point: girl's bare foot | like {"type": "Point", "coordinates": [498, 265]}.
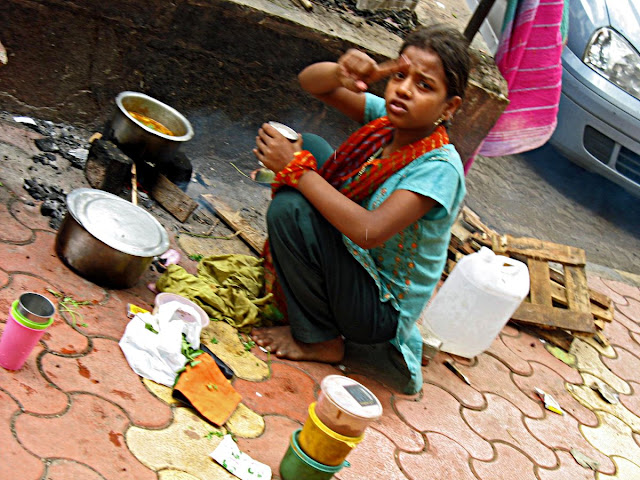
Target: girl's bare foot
{"type": "Point", "coordinates": [279, 341]}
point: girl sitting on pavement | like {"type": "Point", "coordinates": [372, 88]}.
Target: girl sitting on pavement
{"type": "Point", "coordinates": [359, 236]}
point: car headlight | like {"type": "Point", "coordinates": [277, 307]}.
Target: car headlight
{"type": "Point", "coordinates": [609, 54]}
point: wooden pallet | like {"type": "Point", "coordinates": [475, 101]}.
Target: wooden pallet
{"type": "Point", "coordinates": [560, 305]}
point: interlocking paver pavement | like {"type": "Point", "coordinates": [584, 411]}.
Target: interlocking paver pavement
{"type": "Point", "coordinates": [76, 409]}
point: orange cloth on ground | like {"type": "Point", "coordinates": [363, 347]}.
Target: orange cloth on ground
{"type": "Point", "coordinates": [208, 390]}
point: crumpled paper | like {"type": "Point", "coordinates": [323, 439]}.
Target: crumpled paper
{"type": "Point", "coordinates": [158, 356]}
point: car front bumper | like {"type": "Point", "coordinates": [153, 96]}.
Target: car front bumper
{"type": "Point", "coordinates": [598, 125]}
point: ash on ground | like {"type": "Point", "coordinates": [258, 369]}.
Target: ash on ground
{"type": "Point", "coordinates": [63, 147]}
{"type": "Point", "coordinates": [53, 199]}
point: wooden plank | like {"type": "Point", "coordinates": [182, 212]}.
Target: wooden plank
{"type": "Point", "coordinates": [600, 299]}
{"type": "Point", "coordinates": [254, 238]}
{"type": "Point", "coordinates": [549, 317]}
{"type": "Point", "coordinates": [459, 232]}
{"type": "Point", "coordinates": [540, 291]}
{"type": "Point", "coordinates": [575, 283]}
{"type": "Point", "coordinates": [473, 220]}
{"type": "Point", "coordinates": [559, 338]}
{"type": "Point", "coordinates": [540, 250]}
{"type": "Point", "coordinates": [597, 298]}
{"type": "Point", "coordinates": [171, 198]}
{"type": "Point", "coordinates": [559, 296]}
{"type": "Point", "coordinates": [600, 313]}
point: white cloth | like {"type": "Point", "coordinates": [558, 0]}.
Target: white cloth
{"type": "Point", "coordinates": [158, 356]}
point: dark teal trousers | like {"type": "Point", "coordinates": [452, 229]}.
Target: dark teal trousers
{"type": "Point", "coordinates": [328, 293]}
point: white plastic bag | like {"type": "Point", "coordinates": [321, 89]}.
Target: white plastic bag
{"type": "Point", "coordinates": [158, 356]}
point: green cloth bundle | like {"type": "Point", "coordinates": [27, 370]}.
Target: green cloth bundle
{"type": "Point", "coordinates": [228, 287]}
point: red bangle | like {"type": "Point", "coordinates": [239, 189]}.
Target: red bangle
{"type": "Point", "coordinates": [302, 162]}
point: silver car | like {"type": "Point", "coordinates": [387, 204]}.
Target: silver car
{"type": "Point", "coordinates": [599, 116]}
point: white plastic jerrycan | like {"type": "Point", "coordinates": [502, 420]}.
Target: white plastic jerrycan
{"type": "Point", "coordinates": [475, 302]}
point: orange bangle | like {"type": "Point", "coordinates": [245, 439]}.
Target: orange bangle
{"type": "Point", "coordinates": [302, 162]}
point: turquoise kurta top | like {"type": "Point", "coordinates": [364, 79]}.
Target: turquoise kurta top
{"type": "Point", "coordinates": [408, 266]}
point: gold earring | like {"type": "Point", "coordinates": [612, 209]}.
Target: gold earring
{"type": "Point", "coordinates": [439, 122]}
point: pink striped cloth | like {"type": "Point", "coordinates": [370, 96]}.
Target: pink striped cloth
{"type": "Point", "coordinates": [528, 57]}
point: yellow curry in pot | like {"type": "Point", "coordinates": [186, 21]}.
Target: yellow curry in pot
{"type": "Point", "coordinates": [151, 123]}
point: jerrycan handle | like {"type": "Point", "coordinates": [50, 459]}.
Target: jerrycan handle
{"type": "Point", "coordinates": [510, 266]}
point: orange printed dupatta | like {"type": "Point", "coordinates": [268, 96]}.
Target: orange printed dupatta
{"type": "Point", "coordinates": [356, 173]}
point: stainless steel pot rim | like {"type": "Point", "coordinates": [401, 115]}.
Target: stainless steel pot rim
{"type": "Point", "coordinates": [117, 223]}
{"type": "Point", "coordinates": [182, 138]}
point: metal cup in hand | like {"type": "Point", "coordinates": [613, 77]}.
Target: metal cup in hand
{"type": "Point", "coordinates": [288, 132]}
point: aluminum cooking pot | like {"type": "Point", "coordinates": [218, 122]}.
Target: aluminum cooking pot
{"type": "Point", "coordinates": [107, 239]}
{"type": "Point", "coordinates": [141, 141]}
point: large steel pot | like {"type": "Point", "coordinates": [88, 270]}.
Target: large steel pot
{"type": "Point", "coordinates": [107, 239]}
{"type": "Point", "coordinates": [140, 141]}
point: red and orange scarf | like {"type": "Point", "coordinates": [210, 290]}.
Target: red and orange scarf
{"type": "Point", "coordinates": [355, 160]}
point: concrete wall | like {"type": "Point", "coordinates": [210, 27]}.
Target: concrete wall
{"type": "Point", "coordinates": [69, 59]}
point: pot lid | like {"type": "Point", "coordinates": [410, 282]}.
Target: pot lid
{"type": "Point", "coordinates": [118, 223]}
{"type": "Point", "coordinates": [351, 397]}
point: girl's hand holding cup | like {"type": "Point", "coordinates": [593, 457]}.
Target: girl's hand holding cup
{"type": "Point", "coordinates": [275, 150]}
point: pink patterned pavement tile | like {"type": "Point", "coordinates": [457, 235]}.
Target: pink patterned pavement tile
{"type": "Point", "coordinates": [562, 432]}
{"type": "Point", "coordinates": [550, 382]}
{"type": "Point", "coordinates": [501, 421]}
{"type": "Point", "coordinates": [40, 257]}
{"type": "Point", "coordinates": [271, 446]}
{"type": "Point", "coordinates": [569, 469]}
{"type": "Point", "coordinates": [438, 411]}
{"type": "Point", "coordinates": [62, 338]}
{"type": "Point", "coordinates": [631, 311]}
{"type": "Point", "coordinates": [509, 464]}
{"type": "Point", "coordinates": [626, 366]}
{"type": "Point", "coordinates": [437, 374]}
{"type": "Point", "coordinates": [632, 402]}
{"type": "Point", "coordinates": [12, 230]}
{"type": "Point", "coordinates": [623, 289]}
{"type": "Point", "coordinates": [531, 349]}
{"type": "Point", "coordinates": [598, 284]}
{"type": "Point", "coordinates": [106, 319]}
{"type": "Point", "coordinates": [492, 376]}
{"type": "Point", "coordinates": [510, 331]}
{"type": "Point", "coordinates": [503, 353]}
{"type": "Point", "coordinates": [18, 284]}
{"type": "Point", "coordinates": [30, 216]}
{"type": "Point", "coordinates": [4, 278]}
{"type": "Point", "coordinates": [626, 322]}
{"type": "Point", "coordinates": [288, 392]}
{"type": "Point", "coordinates": [12, 453]}
{"type": "Point", "coordinates": [315, 370]}
{"type": "Point", "coordinates": [91, 432]}
{"type": "Point", "coordinates": [444, 459]}
{"type": "Point", "coordinates": [29, 388]}
{"type": "Point", "coordinates": [390, 425]}
{"type": "Point", "coordinates": [374, 457]}
{"type": "Point", "coordinates": [66, 470]}
{"type": "Point", "coordinates": [104, 372]}
{"type": "Point", "coordinates": [620, 336]}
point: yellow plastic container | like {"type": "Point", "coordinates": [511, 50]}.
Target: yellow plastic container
{"type": "Point", "coordinates": [323, 444]}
